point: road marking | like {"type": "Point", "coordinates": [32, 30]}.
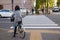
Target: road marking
{"type": "Point", "coordinates": [42, 27]}
{"type": "Point", "coordinates": [6, 22]}
{"type": "Point", "coordinates": [11, 27]}
{"type": "Point", "coordinates": [35, 27]}
{"type": "Point", "coordinates": [41, 24]}
{"type": "Point", "coordinates": [56, 13]}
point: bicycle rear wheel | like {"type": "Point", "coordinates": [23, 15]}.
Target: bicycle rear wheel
{"type": "Point", "coordinates": [22, 35]}
{"type": "Point", "coordinates": [22, 32]}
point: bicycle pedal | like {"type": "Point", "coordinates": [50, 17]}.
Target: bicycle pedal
{"type": "Point", "coordinates": [21, 31]}
{"type": "Point", "coordinates": [16, 33]}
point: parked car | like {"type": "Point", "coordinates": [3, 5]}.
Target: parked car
{"type": "Point", "coordinates": [55, 9]}
{"type": "Point", "coordinates": [6, 13]}
{"type": "Point", "coordinates": [23, 11]}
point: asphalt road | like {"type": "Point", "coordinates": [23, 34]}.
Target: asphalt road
{"type": "Point", "coordinates": [55, 17]}
{"type": "Point", "coordinates": [6, 23]}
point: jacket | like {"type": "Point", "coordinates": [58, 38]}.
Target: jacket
{"type": "Point", "coordinates": [17, 16]}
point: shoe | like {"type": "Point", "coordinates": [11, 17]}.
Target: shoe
{"type": "Point", "coordinates": [14, 36]}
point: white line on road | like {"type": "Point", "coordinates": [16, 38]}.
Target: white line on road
{"type": "Point", "coordinates": [36, 27]}
{"type": "Point", "coordinates": [56, 13]}
{"type": "Point", "coordinates": [40, 24]}
{"type": "Point", "coordinates": [6, 22]}
{"type": "Point", "coordinates": [11, 27]}
{"type": "Point", "coordinates": [41, 27]}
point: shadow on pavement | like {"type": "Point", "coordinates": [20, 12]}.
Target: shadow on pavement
{"type": "Point", "coordinates": [4, 35]}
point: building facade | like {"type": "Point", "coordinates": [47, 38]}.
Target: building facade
{"type": "Point", "coordinates": [7, 4]}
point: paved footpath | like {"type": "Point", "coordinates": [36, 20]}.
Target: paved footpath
{"type": "Point", "coordinates": [31, 35]}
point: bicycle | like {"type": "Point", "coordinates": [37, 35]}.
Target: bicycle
{"type": "Point", "coordinates": [20, 30]}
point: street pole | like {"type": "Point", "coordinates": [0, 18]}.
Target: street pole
{"type": "Point", "coordinates": [12, 5]}
{"type": "Point", "coordinates": [47, 6]}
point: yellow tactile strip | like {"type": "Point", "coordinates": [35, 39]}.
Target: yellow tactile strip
{"type": "Point", "coordinates": [36, 34]}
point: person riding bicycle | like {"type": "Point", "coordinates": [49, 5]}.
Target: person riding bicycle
{"type": "Point", "coordinates": [17, 19]}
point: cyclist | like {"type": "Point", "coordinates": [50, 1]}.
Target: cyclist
{"type": "Point", "coordinates": [17, 19]}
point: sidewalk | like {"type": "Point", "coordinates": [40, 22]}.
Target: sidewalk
{"type": "Point", "coordinates": [8, 35]}
{"type": "Point", "coordinates": [31, 35]}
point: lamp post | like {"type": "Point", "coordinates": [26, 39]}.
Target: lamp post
{"type": "Point", "coordinates": [34, 5]}
{"type": "Point", "coordinates": [47, 6]}
{"type": "Point", "coordinates": [23, 3]}
{"type": "Point", "coordinates": [12, 4]}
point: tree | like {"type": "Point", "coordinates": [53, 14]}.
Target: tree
{"type": "Point", "coordinates": [38, 3]}
{"type": "Point", "coordinates": [12, 4]}
{"type": "Point", "coordinates": [51, 3]}
{"type": "Point", "coordinates": [58, 2]}
{"type": "Point", "coordinates": [1, 7]}
{"type": "Point", "coordinates": [37, 6]}
{"type": "Point", "coordinates": [42, 3]}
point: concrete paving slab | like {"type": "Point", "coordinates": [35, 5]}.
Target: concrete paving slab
{"type": "Point", "coordinates": [50, 36]}
{"type": "Point", "coordinates": [9, 36]}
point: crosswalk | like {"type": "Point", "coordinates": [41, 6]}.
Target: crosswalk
{"type": "Point", "coordinates": [40, 20]}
